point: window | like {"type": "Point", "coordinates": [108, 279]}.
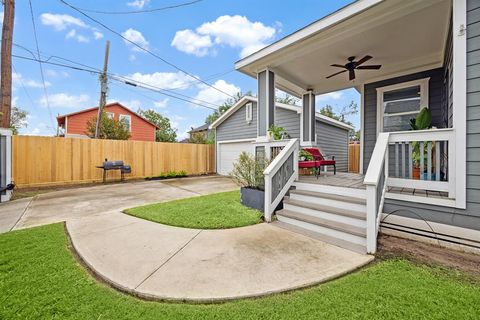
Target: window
{"type": "Point", "coordinates": [399, 103]}
{"type": "Point", "coordinates": [127, 120]}
{"type": "Point", "coordinates": [110, 115]}
{"type": "Point", "coordinates": [249, 113]}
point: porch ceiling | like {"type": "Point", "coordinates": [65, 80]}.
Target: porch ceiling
{"type": "Point", "coordinates": [402, 36]}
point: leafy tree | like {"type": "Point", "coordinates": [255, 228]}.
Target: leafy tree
{"type": "Point", "coordinates": [18, 119]}
{"type": "Point", "coordinates": [350, 109]}
{"type": "Point", "coordinates": [109, 128]}
{"type": "Point", "coordinates": [166, 133]}
{"type": "Point", "coordinates": [225, 106]}
{"type": "Point", "coordinates": [287, 99]}
{"type": "Point", "coordinates": [197, 137]}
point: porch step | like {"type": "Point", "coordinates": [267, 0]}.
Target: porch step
{"type": "Point", "coordinates": [327, 223]}
{"type": "Point", "coordinates": [331, 200]}
{"type": "Point", "coordinates": [290, 225]}
{"type": "Point", "coordinates": [336, 215]}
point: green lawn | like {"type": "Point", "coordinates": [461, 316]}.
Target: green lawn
{"type": "Point", "coordinates": [40, 279]}
{"type": "Point", "coordinates": [214, 211]}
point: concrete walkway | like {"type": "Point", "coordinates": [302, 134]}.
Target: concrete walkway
{"type": "Point", "coordinates": [155, 261]}
{"type": "Point", "coordinates": [84, 202]}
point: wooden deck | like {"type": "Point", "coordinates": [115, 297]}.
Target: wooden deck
{"type": "Point", "coordinates": [341, 179]}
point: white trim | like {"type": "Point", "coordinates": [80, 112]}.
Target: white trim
{"type": "Point", "coordinates": [333, 122]}
{"type": "Point", "coordinates": [459, 100]}
{"type": "Point", "coordinates": [7, 133]}
{"type": "Point", "coordinates": [230, 111]}
{"type": "Point", "coordinates": [418, 184]}
{"type": "Point", "coordinates": [249, 112]}
{"type": "Point", "coordinates": [362, 125]}
{"type": "Point", "coordinates": [444, 202]}
{"type": "Point", "coordinates": [424, 98]}
{"type": "Point", "coordinates": [324, 23]}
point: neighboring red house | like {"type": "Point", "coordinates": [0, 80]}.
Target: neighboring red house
{"type": "Point", "coordinates": [75, 124]}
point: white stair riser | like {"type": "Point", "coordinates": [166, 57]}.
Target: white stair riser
{"type": "Point", "coordinates": [329, 202]}
{"type": "Point", "coordinates": [326, 215]}
{"type": "Point", "coordinates": [349, 192]}
{"type": "Point", "coordinates": [326, 231]}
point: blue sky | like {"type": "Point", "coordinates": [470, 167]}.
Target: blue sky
{"type": "Point", "coordinates": [205, 38]}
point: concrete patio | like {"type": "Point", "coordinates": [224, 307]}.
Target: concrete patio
{"type": "Point", "coordinates": [156, 261]}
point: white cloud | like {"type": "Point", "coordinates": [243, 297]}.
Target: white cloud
{"type": "Point", "coordinates": [139, 4]}
{"type": "Point", "coordinates": [19, 80]}
{"type": "Point", "coordinates": [136, 37]}
{"type": "Point", "coordinates": [233, 31]}
{"type": "Point", "coordinates": [162, 104]}
{"type": "Point", "coordinates": [164, 80]}
{"type": "Point", "coordinates": [61, 22]}
{"type": "Point", "coordinates": [211, 95]}
{"type": "Point", "coordinates": [1, 17]}
{"type": "Point", "coordinates": [65, 100]}
{"type": "Point", "coordinates": [330, 96]}
{"type": "Point", "coordinates": [97, 35]}
{"type": "Point", "coordinates": [56, 74]}
{"type": "Point", "coordinates": [192, 43]}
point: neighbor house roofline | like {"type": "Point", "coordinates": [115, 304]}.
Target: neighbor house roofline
{"type": "Point", "coordinates": [107, 105]}
{"type": "Point", "coordinates": [290, 107]}
{"type": "Point", "coordinates": [309, 30]}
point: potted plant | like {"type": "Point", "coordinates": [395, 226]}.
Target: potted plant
{"type": "Point", "coordinates": [248, 172]}
{"type": "Point", "coordinates": [423, 121]}
{"type": "Point", "coordinates": [277, 133]}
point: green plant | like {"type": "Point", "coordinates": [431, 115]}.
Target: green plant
{"type": "Point", "coordinates": [305, 155]}
{"type": "Point", "coordinates": [109, 128]}
{"type": "Point", "coordinates": [423, 121]}
{"type": "Point", "coordinates": [248, 171]}
{"type": "Point", "coordinates": [277, 132]}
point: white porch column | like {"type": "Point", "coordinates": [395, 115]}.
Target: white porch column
{"type": "Point", "coordinates": [266, 103]}
{"type": "Point", "coordinates": [307, 121]}
{"type": "Point", "coordinates": [5, 163]}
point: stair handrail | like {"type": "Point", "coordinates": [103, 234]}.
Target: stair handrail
{"type": "Point", "coordinates": [376, 185]}
{"type": "Point", "coordinates": [275, 193]}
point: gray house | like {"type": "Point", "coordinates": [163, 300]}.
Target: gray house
{"type": "Point", "coordinates": [402, 56]}
{"type": "Point", "coordinates": [236, 132]}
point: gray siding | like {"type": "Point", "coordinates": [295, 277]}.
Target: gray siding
{"type": "Point", "coordinates": [333, 141]}
{"type": "Point", "coordinates": [448, 81]}
{"type": "Point", "coordinates": [289, 120]}
{"type": "Point", "coordinates": [370, 104]}
{"type": "Point", "coordinates": [469, 218]}
{"type": "Point", "coordinates": [235, 127]}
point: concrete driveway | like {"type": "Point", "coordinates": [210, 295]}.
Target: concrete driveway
{"type": "Point", "coordinates": [85, 202]}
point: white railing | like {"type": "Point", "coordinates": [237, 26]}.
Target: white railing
{"type": "Point", "coordinates": [280, 175]}
{"type": "Point", "coordinates": [392, 164]}
{"type": "Point", "coordinates": [375, 178]}
{"type": "Point", "coordinates": [422, 159]}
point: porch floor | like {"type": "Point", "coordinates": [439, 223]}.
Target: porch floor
{"type": "Point", "coordinates": [341, 179]}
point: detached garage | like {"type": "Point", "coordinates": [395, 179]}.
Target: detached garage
{"type": "Point", "coordinates": [236, 130]}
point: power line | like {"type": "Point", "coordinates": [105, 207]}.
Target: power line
{"type": "Point", "coordinates": [130, 82]}
{"type": "Point", "coordinates": [144, 49]}
{"type": "Point", "coordinates": [40, 64]}
{"type": "Point", "coordinates": [142, 11]}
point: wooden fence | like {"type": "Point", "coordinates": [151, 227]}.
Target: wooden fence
{"type": "Point", "coordinates": [354, 158]}
{"type": "Point", "coordinates": [42, 161]}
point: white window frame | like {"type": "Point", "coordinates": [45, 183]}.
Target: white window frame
{"type": "Point", "coordinates": [249, 112]}
{"type": "Point", "coordinates": [422, 83]}
{"type": "Point", "coordinates": [110, 115]}
{"type": "Point", "coordinates": [123, 116]}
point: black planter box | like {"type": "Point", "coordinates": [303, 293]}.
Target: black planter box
{"type": "Point", "coordinates": [255, 199]}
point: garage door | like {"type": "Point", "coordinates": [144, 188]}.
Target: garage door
{"type": "Point", "coordinates": [229, 153]}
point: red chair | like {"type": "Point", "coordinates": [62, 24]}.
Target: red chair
{"type": "Point", "coordinates": [320, 159]}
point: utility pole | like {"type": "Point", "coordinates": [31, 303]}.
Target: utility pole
{"type": "Point", "coordinates": [6, 63]}
{"type": "Point", "coordinates": [103, 91]}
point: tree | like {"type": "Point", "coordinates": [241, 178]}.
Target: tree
{"type": "Point", "coordinates": [197, 137]}
{"type": "Point", "coordinates": [165, 133]}
{"type": "Point", "coordinates": [347, 110]}
{"type": "Point", "coordinates": [18, 119]}
{"type": "Point", "coordinates": [109, 128]}
{"type": "Point", "coordinates": [288, 99]}
{"type": "Point", "coordinates": [225, 106]}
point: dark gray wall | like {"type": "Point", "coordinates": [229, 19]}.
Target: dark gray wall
{"type": "Point", "coordinates": [469, 218]}
{"type": "Point", "coordinates": [370, 104]}
{"type": "Point", "coordinates": [289, 120]}
{"type": "Point", "coordinates": [235, 127]}
{"type": "Point", "coordinates": [333, 141]}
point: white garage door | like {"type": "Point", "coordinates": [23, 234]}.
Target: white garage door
{"type": "Point", "coordinates": [229, 153]}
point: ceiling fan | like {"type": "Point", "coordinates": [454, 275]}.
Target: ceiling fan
{"type": "Point", "coordinates": [351, 65]}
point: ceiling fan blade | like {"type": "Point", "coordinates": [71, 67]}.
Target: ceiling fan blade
{"type": "Point", "coordinates": [363, 60]}
{"type": "Point", "coordinates": [351, 75]}
{"type": "Point", "coordinates": [338, 65]}
{"type": "Point", "coordinates": [332, 75]}
{"type": "Point", "coordinates": [372, 67]}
